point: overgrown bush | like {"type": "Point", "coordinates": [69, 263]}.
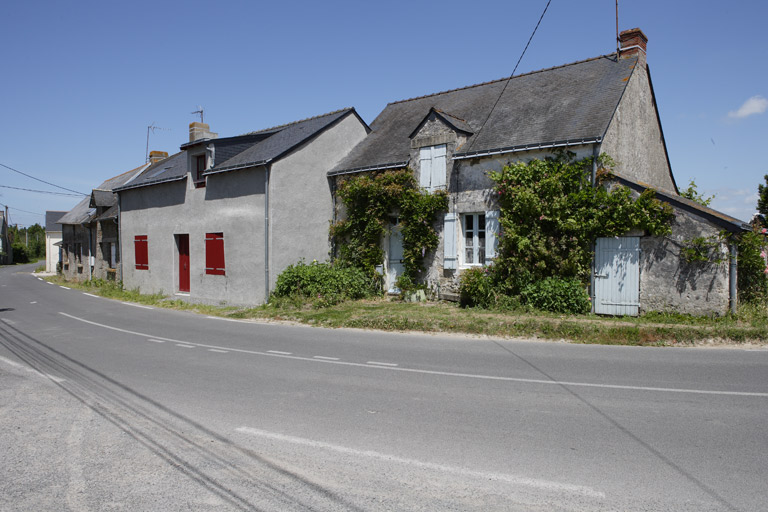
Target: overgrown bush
{"type": "Point", "coordinates": [325, 283]}
{"type": "Point", "coordinates": [20, 254]}
{"type": "Point", "coordinates": [557, 295]}
{"type": "Point", "coordinates": [476, 288]}
{"type": "Point", "coordinates": [752, 270]}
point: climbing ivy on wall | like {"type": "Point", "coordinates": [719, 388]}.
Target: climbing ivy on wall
{"type": "Point", "coordinates": [371, 201]}
{"type": "Point", "coordinates": [551, 215]}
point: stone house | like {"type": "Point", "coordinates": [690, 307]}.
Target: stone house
{"type": "Point", "coordinates": [606, 105]}
{"type": "Point", "coordinates": [89, 243]}
{"type": "Point", "coordinates": [218, 221]}
{"type": "Point", "coordinates": [52, 240]}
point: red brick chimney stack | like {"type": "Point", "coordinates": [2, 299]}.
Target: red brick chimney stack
{"type": "Point", "coordinates": [633, 43]}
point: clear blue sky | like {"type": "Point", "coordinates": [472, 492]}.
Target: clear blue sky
{"type": "Point", "coordinates": [83, 80]}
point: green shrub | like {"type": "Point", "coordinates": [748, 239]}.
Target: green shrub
{"type": "Point", "coordinates": [324, 283]}
{"type": "Point", "coordinates": [752, 277]}
{"type": "Point", "coordinates": [476, 288]}
{"type": "Point", "coordinates": [557, 295]}
{"type": "Point", "coordinates": [20, 254]}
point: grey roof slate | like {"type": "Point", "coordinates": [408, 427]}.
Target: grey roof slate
{"type": "Point", "coordinates": [84, 212]}
{"type": "Point", "coordinates": [172, 168]}
{"type": "Point", "coordinates": [275, 142]}
{"type": "Point", "coordinates": [566, 103]}
{"type": "Point", "coordinates": [52, 220]}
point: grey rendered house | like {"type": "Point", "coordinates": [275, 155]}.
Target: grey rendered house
{"type": "Point", "coordinates": [606, 105]}
{"type": "Point", "coordinates": [53, 252]}
{"type": "Point", "coordinates": [89, 240]}
{"type": "Point", "coordinates": [218, 221]}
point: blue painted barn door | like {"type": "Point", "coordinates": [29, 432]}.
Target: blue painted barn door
{"type": "Point", "coordinates": [617, 276]}
{"type": "Point", "coordinates": [395, 265]}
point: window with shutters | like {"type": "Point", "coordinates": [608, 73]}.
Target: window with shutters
{"type": "Point", "coordinates": [199, 163]}
{"type": "Point", "coordinates": [478, 238]}
{"type": "Point", "coordinates": [214, 253]}
{"type": "Point", "coordinates": [141, 252]}
{"type": "Point", "coordinates": [432, 167]}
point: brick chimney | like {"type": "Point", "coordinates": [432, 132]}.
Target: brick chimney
{"type": "Point", "coordinates": [156, 156]}
{"type": "Point", "coordinates": [199, 131]}
{"type": "Point", "coordinates": [633, 43]}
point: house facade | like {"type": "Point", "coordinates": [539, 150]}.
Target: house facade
{"type": "Point", "coordinates": [53, 249]}
{"type": "Point", "coordinates": [89, 242]}
{"type": "Point", "coordinates": [6, 252]}
{"type": "Point", "coordinates": [453, 139]}
{"type": "Point", "coordinates": [218, 221]}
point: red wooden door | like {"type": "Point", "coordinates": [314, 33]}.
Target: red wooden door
{"type": "Point", "coordinates": [183, 263]}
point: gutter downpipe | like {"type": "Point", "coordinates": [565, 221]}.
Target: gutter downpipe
{"type": "Point", "coordinates": [119, 238]}
{"type": "Point", "coordinates": [593, 182]}
{"type": "Point", "coordinates": [733, 275]}
{"type": "Point", "coordinates": [266, 233]}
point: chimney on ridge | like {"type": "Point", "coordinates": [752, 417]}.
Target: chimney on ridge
{"type": "Point", "coordinates": [199, 131]}
{"type": "Point", "coordinates": [633, 43]}
{"type": "Point", "coordinates": [156, 156]}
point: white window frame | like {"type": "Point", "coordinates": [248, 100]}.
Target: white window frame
{"type": "Point", "coordinates": [476, 245]}
{"type": "Point", "coordinates": [433, 167]}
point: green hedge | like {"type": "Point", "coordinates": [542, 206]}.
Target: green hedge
{"type": "Point", "coordinates": [325, 283]}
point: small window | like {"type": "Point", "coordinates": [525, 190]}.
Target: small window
{"type": "Point", "coordinates": [214, 253]}
{"type": "Point", "coordinates": [199, 170]}
{"type": "Point", "coordinates": [432, 167]}
{"type": "Point", "coordinates": [140, 245]}
{"type": "Point", "coordinates": [474, 239]}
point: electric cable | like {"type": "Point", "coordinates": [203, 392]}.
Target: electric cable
{"type": "Point", "coordinates": [41, 191]}
{"type": "Point", "coordinates": [42, 181]}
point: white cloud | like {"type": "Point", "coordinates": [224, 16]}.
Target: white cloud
{"type": "Point", "coordinates": [754, 105]}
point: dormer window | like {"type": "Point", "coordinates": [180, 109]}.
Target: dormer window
{"type": "Point", "coordinates": [432, 167]}
{"type": "Point", "coordinates": [198, 170]}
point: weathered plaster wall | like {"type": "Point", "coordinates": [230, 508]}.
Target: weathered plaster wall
{"type": "Point", "coordinates": [669, 283]}
{"type": "Point", "coordinates": [106, 233]}
{"type": "Point", "coordinates": [77, 264]}
{"type": "Point", "coordinates": [634, 138]}
{"type": "Point", "coordinates": [300, 200]}
{"type": "Point", "coordinates": [232, 203]}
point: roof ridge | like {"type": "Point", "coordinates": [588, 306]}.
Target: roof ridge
{"type": "Point", "coordinates": [503, 79]}
{"type": "Point", "coordinates": [297, 122]}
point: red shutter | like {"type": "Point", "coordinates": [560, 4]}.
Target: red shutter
{"type": "Point", "coordinates": [214, 253]}
{"type": "Point", "coordinates": [142, 254]}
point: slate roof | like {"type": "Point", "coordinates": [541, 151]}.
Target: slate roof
{"type": "Point", "coordinates": [52, 220]}
{"type": "Point", "coordinates": [573, 102]}
{"type": "Point", "coordinates": [100, 196]}
{"type": "Point", "coordinates": [248, 150]}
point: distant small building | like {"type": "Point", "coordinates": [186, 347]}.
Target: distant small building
{"type": "Point", "coordinates": [6, 253]}
{"type": "Point", "coordinates": [52, 239]}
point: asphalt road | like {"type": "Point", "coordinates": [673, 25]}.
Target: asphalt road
{"type": "Point", "coordinates": [111, 406]}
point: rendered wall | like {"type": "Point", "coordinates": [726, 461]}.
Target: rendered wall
{"type": "Point", "coordinates": [634, 138]}
{"type": "Point", "coordinates": [300, 199]}
{"type": "Point", "coordinates": [51, 250]}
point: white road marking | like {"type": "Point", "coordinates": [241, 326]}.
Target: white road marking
{"type": "Point", "coordinates": [381, 364]}
{"type": "Point", "coordinates": [11, 362]}
{"type": "Point", "coordinates": [136, 305]}
{"type": "Point", "coordinates": [219, 351]}
{"type": "Point", "coordinates": [229, 319]}
{"type": "Point", "coordinates": [64, 287]}
{"type": "Point", "coordinates": [326, 358]}
{"type": "Point", "coordinates": [48, 282]}
{"type": "Point", "coordinates": [435, 372]}
{"type": "Point", "coordinates": [39, 278]}
{"type": "Point", "coordinates": [184, 346]}
{"type": "Point", "coordinates": [156, 341]}
{"type": "Point", "coordinates": [33, 302]}
{"type": "Point", "coordinates": [280, 353]}
{"type": "Point", "coordinates": [514, 480]}
{"type": "Point", "coordinates": [91, 295]}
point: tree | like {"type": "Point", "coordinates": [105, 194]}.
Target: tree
{"type": "Point", "coordinates": [762, 200]}
{"type": "Point", "coordinates": [692, 193]}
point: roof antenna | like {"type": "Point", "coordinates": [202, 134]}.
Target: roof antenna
{"type": "Point", "coordinates": [200, 111]}
{"type": "Point", "coordinates": [151, 128]}
{"type": "Point", "coordinates": [618, 41]}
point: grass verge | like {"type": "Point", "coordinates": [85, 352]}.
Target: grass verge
{"type": "Point", "coordinates": [656, 329]}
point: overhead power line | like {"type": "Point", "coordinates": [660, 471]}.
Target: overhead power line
{"type": "Point", "coordinates": [531, 38]}
{"type": "Point", "coordinates": [43, 181]}
{"type": "Point", "coordinates": [20, 210]}
{"type": "Point", "coordinates": [41, 191]}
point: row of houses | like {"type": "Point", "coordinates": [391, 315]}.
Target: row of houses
{"type": "Point", "coordinates": [219, 220]}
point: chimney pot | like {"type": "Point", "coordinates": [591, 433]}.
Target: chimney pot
{"type": "Point", "coordinates": [199, 131]}
{"type": "Point", "coordinates": [156, 156]}
{"type": "Point", "coordinates": [633, 43]}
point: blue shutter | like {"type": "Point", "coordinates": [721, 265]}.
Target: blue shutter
{"type": "Point", "coordinates": [425, 167]}
{"type": "Point", "coordinates": [491, 235]}
{"type": "Point", "coordinates": [449, 241]}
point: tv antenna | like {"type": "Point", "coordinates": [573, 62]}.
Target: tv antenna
{"type": "Point", "coordinates": [200, 111]}
{"type": "Point", "coordinates": [618, 40]}
{"type": "Point", "coordinates": [151, 129]}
